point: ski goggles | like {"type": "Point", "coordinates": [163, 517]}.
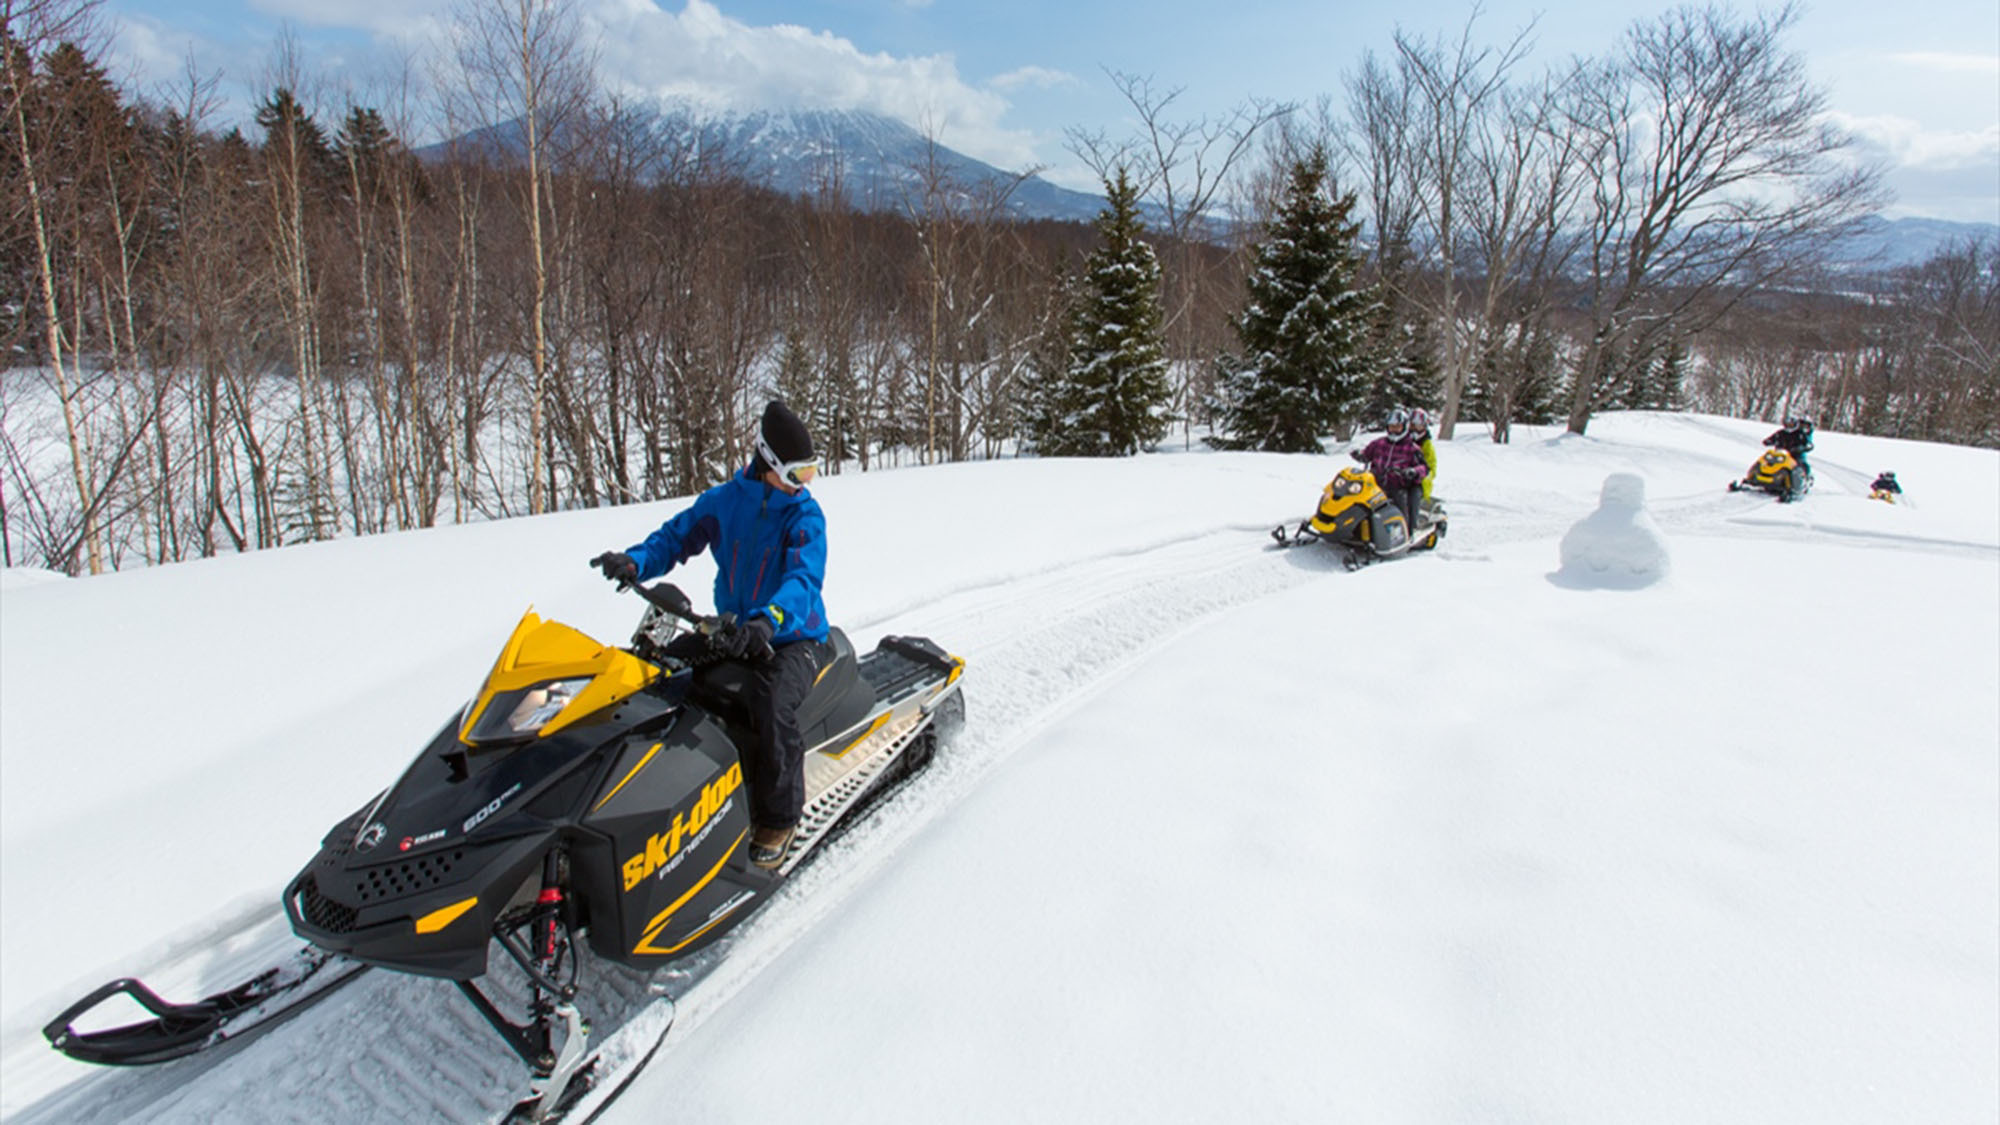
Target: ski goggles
{"type": "Point", "coordinates": [798, 474]}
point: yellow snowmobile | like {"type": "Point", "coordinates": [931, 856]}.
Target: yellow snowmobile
{"type": "Point", "coordinates": [1356, 518]}
{"type": "Point", "coordinates": [1776, 472]}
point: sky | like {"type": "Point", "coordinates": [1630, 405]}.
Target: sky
{"type": "Point", "coordinates": [1918, 82]}
{"type": "Point", "coordinates": [1490, 833]}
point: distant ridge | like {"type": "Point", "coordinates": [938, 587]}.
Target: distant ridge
{"type": "Point", "coordinates": [879, 160]}
{"type": "Point", "coordinates": [1883, 244]}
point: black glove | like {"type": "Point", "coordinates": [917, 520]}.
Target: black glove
{"type": "Point", "coordinates": [748, 641]}
{"type": "Point", "coordinates": [618, 567]}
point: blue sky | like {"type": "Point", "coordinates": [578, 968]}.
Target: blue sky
{"type": "Point", "coordinates": [1918, 81]}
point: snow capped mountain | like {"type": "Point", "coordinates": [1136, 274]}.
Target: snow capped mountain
{"type": "Point", "coordinates": [881, 163]}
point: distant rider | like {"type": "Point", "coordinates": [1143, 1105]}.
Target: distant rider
{"type": "Point", "coordinates": [1795, 439]}
{"type": "Point", "coordinates": [768, 538]}
{"type": "Point", "coordinates": [1885, 487]}
{"type": "Point", "coordinates": [1420, 428]}
{"type": "Point", "coordinates": [1398, 464]}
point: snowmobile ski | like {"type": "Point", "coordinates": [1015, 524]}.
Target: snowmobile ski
{"type": "Point", "coordinates": [177, 1030]}
{"type": "Point", "coordinates": [602, 1078]}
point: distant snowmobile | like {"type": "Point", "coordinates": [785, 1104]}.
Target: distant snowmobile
{"type": "Point", "coordinates": [588, 792]}
{"type": "Point", "coordinates": [1776, 472]}
{"type": "Point", "coordinates": [1356, 518]}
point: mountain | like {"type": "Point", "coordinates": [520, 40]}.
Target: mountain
{"type": "Point", "coordinates": [881, 161]}
{"type": "Point", "coordinates": [1883, 244]}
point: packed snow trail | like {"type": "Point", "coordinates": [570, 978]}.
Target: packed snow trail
{"type": "Point", "coordinates": [1033, 646]}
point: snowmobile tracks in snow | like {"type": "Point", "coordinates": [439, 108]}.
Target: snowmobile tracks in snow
{"type": "Point", "coordinates": [399, 1048]}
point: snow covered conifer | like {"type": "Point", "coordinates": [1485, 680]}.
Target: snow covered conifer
{"type": "Point", "coordinates": [1406, 371]}
{"type": "Point", "coordinates": [1042, 404]}
{"type": "Point", "coordinates": [1112, 395]}
{"type": "Point", "coordinates": [1304, 329]}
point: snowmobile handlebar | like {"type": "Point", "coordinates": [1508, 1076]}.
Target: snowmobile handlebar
{"type": "Point", "coordinates": [667, 598]}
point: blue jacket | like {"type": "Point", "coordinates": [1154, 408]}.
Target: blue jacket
{"type": "Point", "coordinates": [769, 549]}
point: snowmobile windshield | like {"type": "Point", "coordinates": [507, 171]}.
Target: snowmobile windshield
{"type": "Point", "coordinates": [518, 714]}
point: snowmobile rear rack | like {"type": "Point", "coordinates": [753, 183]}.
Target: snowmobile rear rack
{"type": "Point", "coordinates": [183, 1029]}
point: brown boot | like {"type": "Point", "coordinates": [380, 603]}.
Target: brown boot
{"type": "Point", "coordinates": [769, 845]}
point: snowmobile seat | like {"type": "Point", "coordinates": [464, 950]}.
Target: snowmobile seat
{"type": "Point", "coordinates": [838, 698]}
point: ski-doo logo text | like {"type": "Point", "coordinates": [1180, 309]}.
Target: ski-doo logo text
{"type": "Point", "coordinates": [492, 807]}
{"type": "Point", "coordinates": [412, 841]}
{"type": "Point", "coordinates": [663, 847]}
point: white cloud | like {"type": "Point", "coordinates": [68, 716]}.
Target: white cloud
{"type": "Point", "coordinates": [1906, 143]}
{"type": "Point", "coordinates": [1039, 77]}
{"type": "Point", "coordinates": [703, 54]}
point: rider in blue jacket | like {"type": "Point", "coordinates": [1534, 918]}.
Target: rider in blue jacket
{"type": "Point", "coordinates": [768, 538]}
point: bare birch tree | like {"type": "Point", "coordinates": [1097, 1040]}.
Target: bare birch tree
{"type": "Point", "coordinates": [525, 71]}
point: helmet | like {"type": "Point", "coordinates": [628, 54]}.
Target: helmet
{"type": "Point", "coordinates": [1398, 422]}
{"type": "Point", "coordinates": [1888, 475]}
{"type": "Point", "coordinates": [1806, 424]}
{"type": "Point", "coordinates": [1420, 421]}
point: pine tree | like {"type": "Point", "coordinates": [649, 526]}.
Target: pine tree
{"type": "Point", "coordinates": [1041, 406]}
{"type": "Point", "coordinates": [1405, 350]}
{"type": "Point", "coordinates": [1111, 397]}
{"type": "Point", "coordinates": [1304, 331]}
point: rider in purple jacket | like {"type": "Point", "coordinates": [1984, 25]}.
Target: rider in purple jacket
{"type": "Point", "coordinates": [1398, 464]}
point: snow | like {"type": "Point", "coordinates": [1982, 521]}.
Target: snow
{"type": "Point", "coordinates": [1618, 546]}
{"type": "Point", "coordinates": [1229, 833]}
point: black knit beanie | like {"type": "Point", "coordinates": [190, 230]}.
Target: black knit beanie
{"type": "Point", "coordinates": [784, 435]}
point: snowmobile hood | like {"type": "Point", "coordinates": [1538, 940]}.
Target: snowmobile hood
{"type": "Point", "coordinates": [1350, 487]}
{"type": "Point", "coordinates": [547, 677]}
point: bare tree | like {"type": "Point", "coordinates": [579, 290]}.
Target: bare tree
{"type": "Point", "coordinates": [524, 68]}
{"type": "Point", "coordinates": [1522, 189]}
{"type": "Point", "coordinates": [1713, 175]}
{"type": "Point", "coordinates": [36, 26]}
{"type": "Point", "coordinates": [961, 232]}
{"type": "Point", "coordinates": [1453, 89]}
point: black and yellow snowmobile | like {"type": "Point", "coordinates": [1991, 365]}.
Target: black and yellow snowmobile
{"type": "Point", "coordinates": [588, 793]}
{"type": "Point", "coordinates": [1776, 472]}
{"type": "Point", "coordinates": [1357, 518]}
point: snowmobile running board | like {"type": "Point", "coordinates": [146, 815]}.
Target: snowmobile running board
{"type": "Point", "coordinates": [183, 1029]}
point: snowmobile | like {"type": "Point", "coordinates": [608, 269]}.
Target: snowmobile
{"type": "Point", "coordinates": [1776, 472]}
{"type": "Point", "coordinates": [1356, 518]}
{"type": "Point", "coordinates": [587, 793]}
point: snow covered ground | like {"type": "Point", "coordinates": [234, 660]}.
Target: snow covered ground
{"type": "Point", "coordinates": [1229, 833]}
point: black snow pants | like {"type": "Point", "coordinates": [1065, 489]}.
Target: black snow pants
{"type": "Point", "coordinates": [774, 767]}
{"type": "Point", "coordinates": [1406, 500]}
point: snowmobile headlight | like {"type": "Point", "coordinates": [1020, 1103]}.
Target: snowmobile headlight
{"type": "Point", "coordinates": [527, 710]}
{"type": "Point", "coordinates": [1347, 486]}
